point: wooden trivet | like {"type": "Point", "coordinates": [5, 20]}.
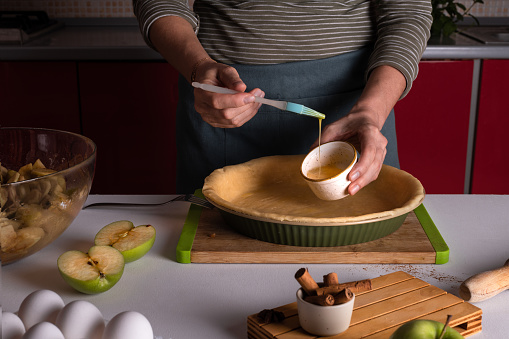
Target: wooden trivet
{"type": "Point", "coordinates": [395, 298]}
{"type": "Point", "coordinates": [206, 238]}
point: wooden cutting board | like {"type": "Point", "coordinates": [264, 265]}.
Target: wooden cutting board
{"type": "Point", "coordinates": [206, 238]}
{"type": "Point", "coordinates": [395, 298]}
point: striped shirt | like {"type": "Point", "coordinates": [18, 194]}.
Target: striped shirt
{"type": "Point", "coordinates": [271, 32]}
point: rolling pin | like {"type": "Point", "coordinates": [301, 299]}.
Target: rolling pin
{"type": "Point", "coordinates": [486, 284]}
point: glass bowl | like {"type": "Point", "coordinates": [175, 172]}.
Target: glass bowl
{"type": "Point", "coordinates": [46, 176]}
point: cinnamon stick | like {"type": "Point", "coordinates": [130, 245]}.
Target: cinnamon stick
{"type": "Point", "coordinates": [343, 296]}
{"type": "Point", "coordinates": [306, 281]}
{"type": "Point", "coordinates": [321, 300]}
{"type": "Point", "coordinates": [330, 279]}
{"type": "Point", "coordinates": [354, 286]}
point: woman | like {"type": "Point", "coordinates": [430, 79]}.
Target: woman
{"type": "Point", "coordinates": [351, 60]}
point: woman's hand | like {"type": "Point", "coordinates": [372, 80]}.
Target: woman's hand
{"type": "Point", "coordinates": [176, 40]}
{"type": "Point", "coordinates": [360, 129]}
{"type": "Point", "coordinates": [224, 110]}
{"type": "Point", "coordinates": [363, 124]}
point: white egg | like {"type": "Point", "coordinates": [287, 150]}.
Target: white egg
{"type": "Point", "coordinates": [12, 326]}
{"type": "Point", "coordinates": [80, 319]}
{"type": "Point", "coordinates": [128, 325]}
{"type": "Point", "coordinates": [39, 306]}
{"type": "Point", "coordinates": [43, 330]}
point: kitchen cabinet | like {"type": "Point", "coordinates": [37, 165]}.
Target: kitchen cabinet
{"type": "Point", "coordinates": [432, 124]}
{"type": "Point", "coordinates": [39, 94]}
{"type": "Point", "coordinates": [128, 109]}
{"type": "Point", "coordinates": [491, 157]}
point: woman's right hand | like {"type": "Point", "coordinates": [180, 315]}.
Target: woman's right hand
{"type": "Point", "coordinates": [224, 110]}
{"type": "Point", "coordinates": [175, 39]}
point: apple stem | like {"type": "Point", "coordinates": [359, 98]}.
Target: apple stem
{"type": "Point", "coordinates": [445, 326]}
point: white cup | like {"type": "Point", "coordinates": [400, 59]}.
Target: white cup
{"type": "Point", "coordinates": [324, 320]}
{"type": "Point", "coordinates": [335, 158]}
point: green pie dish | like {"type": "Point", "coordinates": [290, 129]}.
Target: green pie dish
{"type": "Point", "coordinates": [267, 199]}
{"type": "Point", "coordinates": [312, 236]}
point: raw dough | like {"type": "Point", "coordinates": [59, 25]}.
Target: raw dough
{"type": "Point", "coordinates": [273, 189]}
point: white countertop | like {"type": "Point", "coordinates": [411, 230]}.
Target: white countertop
{"type": "Point", "coordinates": [214, 300]}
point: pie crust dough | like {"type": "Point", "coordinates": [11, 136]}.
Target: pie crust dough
{"type": "Point", "coordinates": [272, 189]}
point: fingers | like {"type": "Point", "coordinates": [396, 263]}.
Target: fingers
{"type": "Point", "coordinates": [331, 132]}
{"type": "Point", "coordinates": [227, 110]}
{"type": "Point", "coordinates": [359, 130]}
{"type": "Point", "coordinates": [370, 161]}
{"type": "Point", "coordinates": [230, 78]}
{"type": "Point", "coordinates": [364, 174]}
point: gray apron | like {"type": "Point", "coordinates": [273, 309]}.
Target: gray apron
{"type": "Point", "coordinates": [330, 86]}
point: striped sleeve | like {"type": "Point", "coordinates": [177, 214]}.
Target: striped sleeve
{"type": "Point", "coordinates": [271, 32]}
{"type": "Point", "coordinates": [403, 30]}
{"type": "Point", "coordinates": [148, 11]}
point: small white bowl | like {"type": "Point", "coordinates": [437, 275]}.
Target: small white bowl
{"type": "Point", "coordinates": [324, 320]}
{"type": "Point", "coordinates": [336, 160]}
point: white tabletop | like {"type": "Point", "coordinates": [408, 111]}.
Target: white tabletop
{"type": "Point", "coordinates": [214, 300]}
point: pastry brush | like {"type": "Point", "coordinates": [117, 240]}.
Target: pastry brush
{"type": "Point", "coordinates": [282, 105]}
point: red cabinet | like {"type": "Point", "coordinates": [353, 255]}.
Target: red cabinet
{"type": "Point", "coordinates": [491, 157]}
{"type": "Point", "coordinates": [432, 125]}
{"type": "Point", "coordinates": [128, 109]}
{"type": "Point", "coordinates": [39, 94]}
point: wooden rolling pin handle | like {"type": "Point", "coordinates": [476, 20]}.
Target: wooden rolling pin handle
{"type": "Point", "coordinates": [485, 285]}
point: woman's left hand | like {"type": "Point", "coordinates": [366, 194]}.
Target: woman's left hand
{"type": "Point", "coordinates": [360, 129]}
{"type": "Point", "coordinates": [362, 126]}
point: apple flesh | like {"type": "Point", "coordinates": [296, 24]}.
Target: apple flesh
{"type": "Point", "coordinates": [424, 329]}
{"type": "Point", "coordinates": [132, 242]}
{"type": "Point", "coordinates": [94, 272]}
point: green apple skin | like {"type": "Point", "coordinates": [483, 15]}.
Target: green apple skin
{"type": "Point", "coordinates": [132, 242]}
{"type": "Point", "coordinates": [91, 283]}
{"type": "Point", "coordinates": [138, 252]}
{"type": "Point", "coordinates": [424, 329]}
{"type": "Point", "coordinates": [96, 286]}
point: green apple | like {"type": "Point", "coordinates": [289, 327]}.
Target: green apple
{"type": "Point", "coordinates": [424, 329]}
{"type": "Point", "coordinates": [93, 272]}
{"type": "Point", "coordinates": [132, 242]}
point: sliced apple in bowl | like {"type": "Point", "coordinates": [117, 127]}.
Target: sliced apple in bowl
{"type": "Point", "coordinates": [132, 242]}
{"type": "Point", "coordinates": [93, 272]}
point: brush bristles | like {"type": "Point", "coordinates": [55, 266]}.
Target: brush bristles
{"type": "Point", "coordinates": [313, 113]}
{"type": "Point", "coordinates": [301, 109]}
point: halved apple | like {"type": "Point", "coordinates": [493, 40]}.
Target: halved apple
{"type": "Point", "coordinates": [93, 272]}
{"type": "Point", "coordinates": [132, 242]}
